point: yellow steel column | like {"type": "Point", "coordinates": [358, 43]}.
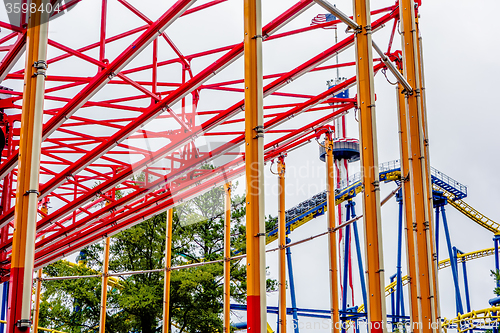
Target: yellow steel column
{"type": "Point", "coordinates": [227, 258]}
{"type": "Point", "coordinates": [282, 246]}
{"type": "Point", "coordinates": [104, 287]}
{"type": "Point", "coordinates": [254, 160]}
{"type": "Point", "coordinates": [36, 312]}
{"type": "Point", "coordinates": [419, 174]}
{"type": "Point", "coordinates": [428, 168]}
{"type": "Point", "coordinates": [23, 247]}
{"type": "Point", "coordinates": [369, 169]}
{"type": "Point", "coordinates": [332, 236]}
{"type": "Point", "coordinates": [409, 233]}
{"type": "Point", "coordinates": [168, 262]}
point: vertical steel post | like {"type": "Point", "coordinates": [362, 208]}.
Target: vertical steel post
{"type": "Point", "coordinates": [23, 247]}
{"type": "Point", "coordinates": [399, 282]}
{"type": "Point", "coordinates": [36, 312]}
{"type": "Point", "coordinates": [453, 263]}
{"type": "Point", "coordinates": [497, 259]}
{"type": "Point", "coordinates": [168, 262]}
{"type": "Point", "coordinates": [497, 270]}
{"type": "Point", "coordinates": [466, 285]}
{"type": "Point", "coordinates": [282, 246]}
{"type": "Point", "coordinates": [292, 288]}
{"type": "Point", "coordinates": [436, 231]}
{"type": "Point", "coordinates": [104, 287]}
{"type": "Point", "coordinates": [393, 302]}
{"type": "Point", "coordinates": [254, 161]}
{"type": "Point", "coordinates": [102, 39]}
{"type": "Point", "coordinates": [408, 211]}
{"type": "Point", "coordinates": [376, 309]}
{"type": "Point", "coordinates": [419, 174]}
{"type": "Point", "coordinates": [347, 235]}
{"type": "Point", "coordinates": [332, 235]}
{"type": "Point", "coordinates": [6, 204]}
{"type": "Point", "coordinates": [5, 304]}
{"type": "Point", "coordinates": [359, 255]}
{"type": "Point", "coordinates": [227, 258]}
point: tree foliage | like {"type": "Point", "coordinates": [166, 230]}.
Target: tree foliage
{"type": "Point", "coordinates": [136, 306]}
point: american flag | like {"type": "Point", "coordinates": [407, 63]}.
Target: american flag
{"type": "Point", "coordinates": [323, 18]}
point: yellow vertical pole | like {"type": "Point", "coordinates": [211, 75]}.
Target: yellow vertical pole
{"type": "Point", "coordinates": [168, 262]}
{"type": "Point", "coordinates": [23, 247]}
{"type": "Point", "coordinates": [254, 161]}
{"type": "Point", "coordinates": [282, 245]}
{"type": "Point", "coordinates": [429, 180]}
{"type": "Point", "coordinates": [369, 169]}
{"type": "Point", "coordinates": [409, 232]}
{"type": "Point", "coordinates": [104, 287]}
{"type": "Point", "coordinates": [36, 313]}
{"type": "Point", "coordinates": [227, 257]}
{"type": "Point", "coordinates": [419, 175]}
{"type": "Point", "coordinates": [332, 236]}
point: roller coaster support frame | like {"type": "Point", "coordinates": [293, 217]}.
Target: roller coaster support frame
{"type": "Point", "coordinates": [168, 271]}
{"type": "Point", "coordinates": [227, 258]}
{"type": "Point", "coordinates": [399, 281]}
{"type": "Point", "coordinates": [453, 263]}
{"type": "Point", "coordinates": [427, 293]}
{"type": "Point", "coordinates": [292, 287]}
{"type": "Point", "coordinates": [332, 236]}
{"type": "Point", "coordinates": [347, 240]}
{"type": "Point", "coordinates": [282, 246]}
{"type": "Point", "coordinates": [23, 247]}
{"type": "Point", "coordinates": [254, 167]}
{"type": "Point", "coordinates": [466, 280]}
{"type": "Point", "coordinates": [376, 310]}
{"type": "Point", "coordinates": [358, 253]}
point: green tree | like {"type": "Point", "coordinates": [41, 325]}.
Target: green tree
{"type": "Point", "coordinates": [196, 293]}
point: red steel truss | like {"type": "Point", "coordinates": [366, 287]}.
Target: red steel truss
{"type": "Point", "coordinates": [131, 101]}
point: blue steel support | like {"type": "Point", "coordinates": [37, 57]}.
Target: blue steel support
{"type": "Point", "coordinates": [5, 301]}
{"type": "Point", "coordinates": [466, 283]}
{"type": "Point", "coordinates": [495, 328]}
{"type": "Point", "coordinates": [436, 228]}
{"type": "Point", "coordinates": [497, 264]}
{"type": "Point", "coordinates": [345, 286]}
{"type": "Point", "coordinates": [393, 304]}
{"type": "Point", "coordinates": [359, 255]}
{"type": "Point", "coordinates": [399, 281]}
{"type": "Point", "coordinates": [292, 288]}
{"type": "Point", "coordinates": [453, 263]}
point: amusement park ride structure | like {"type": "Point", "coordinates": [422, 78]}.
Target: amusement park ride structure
{"type": "Point", "coordinates": [81, 119]}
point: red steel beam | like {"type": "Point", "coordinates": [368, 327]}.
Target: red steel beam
{"type": "Point", "coordinates": [156, 109]}
{"type": "Point", "coordinates": [103, 77]}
